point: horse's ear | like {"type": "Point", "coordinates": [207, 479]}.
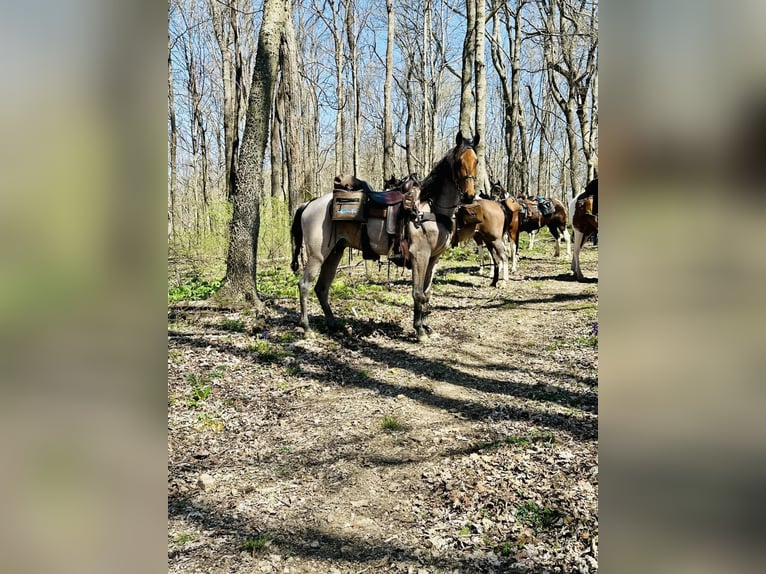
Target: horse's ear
{"type": "Point", "coordinates": [459, 138]}
{"type": "Point", "coordinates": [476, 140]}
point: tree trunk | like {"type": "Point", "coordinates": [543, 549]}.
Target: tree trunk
{"type": "Point", "coordinates": [241, 261]}
{"type": "Point", "coordinates": [340, 151]}
{"type": "Point", "coordinates": [225, 28]}
{"type": "Point", "coordinates": [426, 75]}
{"type": "Point", "coordinates": [508, 115]}
{"type": "Point", "coordinates": [481, 96]}
{"type": "Point", "coordinates": [408, 123]}
{"type": "Point", "coordinates": [522, 163]}
{"type": "Point", "coordinates": [291, 108]}
{"type": "Point", "coordinates": [469, 47]}
{"type": "Point", "coordinates": [388, 137]}
{"type": "Point", "coordinates": [350, 7]}
{"type": "Point", "coordinates": [275, 148]}
{"type": "Point", "coordinates": [173, 147]}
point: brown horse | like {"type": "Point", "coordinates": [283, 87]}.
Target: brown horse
{"type": "Point", "coordinates": [531, 219]}
{"type": "Point", "coordinates": [584, 210]}
{"type": "Point", "coordinates": [487, 220]}
{"type": "Point", "coordinates": [427, 234]}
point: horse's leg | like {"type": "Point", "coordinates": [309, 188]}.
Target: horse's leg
{"type": "Point", "coordinates": [327, 274]}
{"type": "Point", "coordinates": [427, 282]}
{"type": "Point", "coordinates": [578, 241]}
{"type": "Point", "coordinates": [532, 235]}
{"type": "Point", "coordinates": [419, 299]}
{"type": "Point", "coordinates": [565, 233]}
{"type": "Point", "coordinates": [514, 251]}
{"type": "Point", "coordinates": [500, 246]}
{"type": "Point", "coordinates": [500, 259]}
{"type": "Point", "coordinates": [310, 272]}
{"type": "Point", "coordinates": [554, 229]}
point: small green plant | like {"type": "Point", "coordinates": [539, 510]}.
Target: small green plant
{"type": "Point", "coordinates": [506, 549]}
{"type": "Point", "coordinates": [293, 371]}
{"type": "Point", "coordinates": [277, 283]}
{"type": "Point", "coordinates": [234, 325]}
{"type": "Point", "coordinates": [207, 422]}
{"type": "Point", "coordinates": [182, 539]}
{"type": "Point", "coordinates": [341, 290]}
{"type": "Point", "coordinates": [195, 289]}
{"type": "Point", "coordinates": [265, 350]}
{"type": "Point", "coordinates": [390, 424]}
{"type": "Point", "coordinates": [466, 530]}
{"type": "Point", "coordinates": [536, 516]}
{"type": "Point", "coordinates": [254, 545]}
{"type": "Point", "coordinates": [586, 341]}
{"type": "Point", "coordinates": [200, 391]}
{"type": "Point", "coordinates": [201, 386]}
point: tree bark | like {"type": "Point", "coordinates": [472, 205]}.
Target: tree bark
{"type": "Point", "coordinates": [172, 147]}
{"type": "Point", "coordinates": [291, 109]}
{"type": "Point", "coordinates": [469, 47]}
{"type": "Point", "coordinates": [356, 129]}
{"type": "Point", "coordinates": [241, 262]}
{"type": "Point", "coordinates": [481, 96]}
{"type": "Point", "coordinates": [388, 137]}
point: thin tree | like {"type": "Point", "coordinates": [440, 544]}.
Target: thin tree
{"type": "Point", "coordinates": [356, 108]}
{"type": "Point", "coordinates": [172, 146]}
{"type": "Point", "coordinates": [388, 136]}
{"type": "Point", "coordinates": [469, 48]}
{"type": "Point", "coordinates": [290, 98]}
{"type": "Point", "coordinates": [481, 94]}
{"type": "Point", "coordinates": [241, 261]}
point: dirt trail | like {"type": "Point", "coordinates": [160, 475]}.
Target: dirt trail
{"type": "Point", "coordinates": [476, 452]}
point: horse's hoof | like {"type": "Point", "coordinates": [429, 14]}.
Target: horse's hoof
{"type": "Point", "coordinates": [423, 338]}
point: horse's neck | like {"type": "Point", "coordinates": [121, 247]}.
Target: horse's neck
{"type": "Point", "coordinates": [439, 189]}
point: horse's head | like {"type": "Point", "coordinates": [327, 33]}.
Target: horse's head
{"type": "Point", "coordinates": [496, 190]}
{"type": "Point", "coordinates": [465, 161]}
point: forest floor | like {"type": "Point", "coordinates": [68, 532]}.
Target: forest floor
{"type": "Point", "coordinates": [368, 452]}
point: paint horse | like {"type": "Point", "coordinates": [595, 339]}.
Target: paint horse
{"type": "Point", "coordinates": [427, 233]}
{"type": "Point", "coordinates": [584, 210]}
{"type": "Point", "coordinates": [486, 220]}
{"type": "Point", "coordinates": [532, 218]}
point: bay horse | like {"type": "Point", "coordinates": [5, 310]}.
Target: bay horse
{"type": "Point", "coordinates": [487, 220]}
{"type": "Point", "coordinates": [531, 219]}
{"type": "Point", "coordinates": [584, 210]}
{"type": "Point", "coordinates": [428, 229]}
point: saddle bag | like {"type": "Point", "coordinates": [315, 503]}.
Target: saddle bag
{"type": "Point", "coordinates": [347, 205]}
{"type": "Point", "coordinates": [348, 198]}
{"type": "Point", "coordinates": [471, 213]}
{"type": "Point", "coordinates": [545, 206]}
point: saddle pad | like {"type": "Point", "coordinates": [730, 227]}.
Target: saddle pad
{"type": "Point", "coordinates": [385, 197]}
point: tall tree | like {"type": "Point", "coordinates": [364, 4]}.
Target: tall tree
{"type": "Point", "coordinates": [388, 136]}
{"type": "Point", "coordinates": [241, 261]}
{"type": "Point", "coordinates": [356, 108]}
{"type": "Point", "coordinates": [481, 95]}
{"type": "Point", "coordinates": [290, 98]}
{"type": "Point", "coordinates": [517, 174]}
{"type": "Point", "coordinates": [469, 49]}
{"type": "Point", "coordinates": [172, 145]}
{"type": "Point", "coordinates": [564, 57]}
{"type": "Point", "coordinates": [226, 27]}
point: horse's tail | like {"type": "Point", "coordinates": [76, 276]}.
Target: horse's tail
{"type": "Point", "coordinates": [296, 234]}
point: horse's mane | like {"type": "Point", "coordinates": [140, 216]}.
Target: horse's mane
{"type": "Point", "coordinates": [442, 169]}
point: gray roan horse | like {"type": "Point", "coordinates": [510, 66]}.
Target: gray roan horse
{"type": "Point", "coordinates": [428, 231]}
